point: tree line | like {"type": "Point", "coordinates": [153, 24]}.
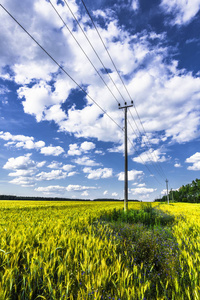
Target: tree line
{"type": "Point", "coordinates": [186, 193]}
{"type": "Point", "coordinates": [30, 198]}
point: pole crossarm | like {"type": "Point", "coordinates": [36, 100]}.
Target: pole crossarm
{"type": "Point", "coordinates": [121, 107]}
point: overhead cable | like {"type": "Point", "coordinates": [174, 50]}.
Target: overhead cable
{"type": "Point", "coordinates": [106, 70]}
{"type": "Point", "coordinates": [83, 50]}
{"type": "Point", "coordinates": [121, 81]}
{"type": "Point", "coordinates": [83, 90]}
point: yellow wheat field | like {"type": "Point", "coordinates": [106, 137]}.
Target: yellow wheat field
{"type": "Point", "coordinates": [50, 250]}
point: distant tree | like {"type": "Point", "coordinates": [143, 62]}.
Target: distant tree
{"type": "Point", "coordinates": [187, 193]}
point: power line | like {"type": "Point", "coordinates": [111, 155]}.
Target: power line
{"type": "Point", "coordinates": [143, 162]}
{"type": "Point", "coordinates": [83, 50]}
{"type": "Point", "coordinates": [83, 90]}
{"type": "Point", "coordinates": [101, 63]}
{"type": "Point", "coordinates": [60, 66]}
{"type": "Point", "coordinates": [159, 168]}
{"type": "Point", "coordinates": [88, 56]}
{"type": "Point", "coordinates": [119, 77]}
{"type": "Point", "coordinates": [101, 40]}
{"type": "Point", "coordinates": [151, 159]}
{"type": "Point", "coordinates": [106, 70]}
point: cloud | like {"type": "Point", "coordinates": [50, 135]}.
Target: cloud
{"type": "Point", "coordinates": [86, 146]}
{"type": "Point", "coordinates": [132, 175]}
{"type": "Point", "coordinates": [164, 192]}
{"type": "Point", "coordinates": [150, 72]}
{"type": "Point", "coordinates": [21, 141]}
{"type": "Point", "coordinates": [41, 93]}
{"type": "Point", "coordinates": [105, 193]}
{"type": "Point", "coordinates": [177, 165]}
{"type": "Point", "coordinates": [195, 160]}
{"type": "Point", "coordinates": [22, 173]}
{"type": "Point", "coordinates": [20, 163]}
{"type": "Point", "coordinates": [26, 142]}
{"type": "Point", "coordinates": [61, 189]}
{"type": "Point", "coordinates": [86, 161]}
{"type": "Point", "coordinates": [78, 188]}
{"type": "Point", "coordinates": [135, 5]}
{"type": "Point", "coordinates": [100, 152]}
{"type": "Point", "coordinates": [30, 145]}
{"type": "Point", "coordinates": [51, 189]}
{"type": "Point", "coordinates": [23, 181]}
{"type": "Point", "coordinates": [53, 175]}
{"type": "Point", "coordinates": [98, 173]}
{"type": "Point", "coordinates": [55, 113]}
{"type": "Point", "coordinates": [58, 165]}
{"type": "Point", "coordinates": [85, 193]}
{"type": "Point", "coordinates": [67, 168]}
{"type": "Point", "coordinates": [120, 148]}
{"type": "Point", "coordinates": [114, 194]}
{"type": "Point", "coordinates": [4, 90]}
{"type": "Point", "coordinates": [50, 150]}
{"type": "Point", "coordinates": [150, 156]}
{"type": "Point", "coordinates": [182, 11]}
{"type": "Point", "coordinates": [70, 174]}
{"type": "Point", "coordinates": [55, 165]}
{"type": "Point", "coordinates": [142, 191]}
{"type": "Point", "coordinates": [24, 170]}
{"type": "Point", "coordinates": [74, 149]}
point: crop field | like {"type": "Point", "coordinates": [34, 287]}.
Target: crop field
{"type": "Point", "coordinates": [91, 250]}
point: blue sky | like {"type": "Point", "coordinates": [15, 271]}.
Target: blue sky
{"type": "Point", "coordinates": [57, 140]}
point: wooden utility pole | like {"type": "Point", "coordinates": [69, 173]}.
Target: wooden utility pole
{"type": "Point", "coordinates": [167, 191]}
{"type": "Point", "coordinates": [125, 156]}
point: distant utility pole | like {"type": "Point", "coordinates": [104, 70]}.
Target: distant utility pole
{"type": "Point", "coordinates": [125, 155]}
{"type": "Point", "coordinates": [167, 191]}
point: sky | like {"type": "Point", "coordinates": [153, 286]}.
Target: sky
{"type": "Point", "coordinates": [63, 79]}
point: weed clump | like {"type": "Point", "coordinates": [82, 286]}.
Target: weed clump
{"type": "Point", "coordinates": [147, 215]}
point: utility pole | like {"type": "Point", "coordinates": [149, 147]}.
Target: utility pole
{"type": "Point", "coordinates": [125, 155]}
{"type": "Point", "coordinates": [167, 191]}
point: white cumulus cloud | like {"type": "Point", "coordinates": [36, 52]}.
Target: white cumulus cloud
{"type": "Point", "coordinates": [86, 146]}
{"type": "Point", "coordinates": [50, 150]}
{"type": "Point", "coordinates": [51, 189]}
{"type": "Point", "coordinates": [177, 165]}
{"type": "Point", "coordinates": [132, 175]}
{"type": "Point", "coordinates": [195, 160]}
{"type": "Point", "coordinates": [77, 187]}
{"type": "Point", "coordinates": [151, 156]}
{"type": "Point", "coordinates": [86, 161]}
{"type": "Point", "coordinates": [74, 149]}
{"type": "Point", "coordinates": [183, 11]}
{"type": "Point", "coordinates": [98, 173]}
{"type": "Point", "coordinates": [142, 191]}
{"type": "Point", "coordinates": [21, 141]}
{"type": "Point", "coordinates": [53, 175]}
{"type": "Point", "coordinates": [20, 163]}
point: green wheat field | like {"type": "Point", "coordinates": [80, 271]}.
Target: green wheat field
{"type": "Point", "coordinates": [93, 250]}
